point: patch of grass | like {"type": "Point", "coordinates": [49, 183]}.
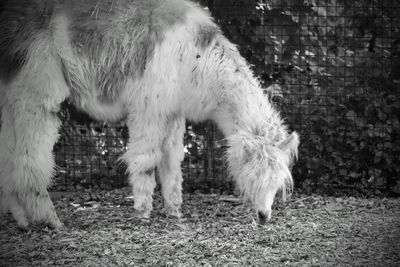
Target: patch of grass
{"type": "Point", "coordinates": [103, 230]}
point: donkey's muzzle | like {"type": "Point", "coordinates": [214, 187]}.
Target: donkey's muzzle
{"type": "Point", "coordinates": [263, 217]}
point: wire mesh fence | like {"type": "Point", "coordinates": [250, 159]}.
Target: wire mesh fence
{"type": "Point", "coordinates": [332, 67]}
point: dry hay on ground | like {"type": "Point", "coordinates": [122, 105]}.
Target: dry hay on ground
{"type": "Point", "coordinates": [101, 230]}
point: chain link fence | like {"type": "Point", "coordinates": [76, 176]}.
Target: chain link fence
{"type": "Point", "coordinates": [332, 67]}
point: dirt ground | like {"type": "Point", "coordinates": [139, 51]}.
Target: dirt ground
{"type": "Point", "coordinates": [101, 229]}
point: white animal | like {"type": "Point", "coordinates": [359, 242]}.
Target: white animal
{"type": "Point", "coordinates": [153, 62]}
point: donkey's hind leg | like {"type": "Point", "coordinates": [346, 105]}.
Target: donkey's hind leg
{"type": "Point", "coordinates": [28, 133]}
{"type": "Point", "coordinates": [29, 130]}
{"type": "Point", "coordinates": [170, 167]}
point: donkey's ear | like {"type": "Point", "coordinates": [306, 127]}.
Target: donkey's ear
{"type": "Point", "coordinates": [290, 144]}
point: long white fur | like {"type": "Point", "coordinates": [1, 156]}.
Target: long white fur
{"type": "Point", "coordinates": [28, 133]}
{"type": "Point", "coordinates": [192, 72]}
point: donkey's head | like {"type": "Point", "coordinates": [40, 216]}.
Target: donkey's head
{"type": "Point", "coordinates": [279, 176]}
{"type": "Point", "coordinates": [261, 169]}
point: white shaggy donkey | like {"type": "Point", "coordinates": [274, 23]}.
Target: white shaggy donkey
{"type": "Point", "coordinates": [153, 63]}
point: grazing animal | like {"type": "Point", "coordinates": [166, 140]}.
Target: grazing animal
{"type": "Point", "coordinates": [153, 63]}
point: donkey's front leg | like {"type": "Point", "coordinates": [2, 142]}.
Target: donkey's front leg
{"type": "Point", "coordinates": [170, 167]}
{"type": "Point", "coordinates": [142, 157]}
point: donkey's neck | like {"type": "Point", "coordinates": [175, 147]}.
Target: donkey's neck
{"type": "Point", "coordinates": [245, 110]}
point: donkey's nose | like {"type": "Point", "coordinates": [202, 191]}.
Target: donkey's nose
{"type": "Point", "coordinates": [263, 216]}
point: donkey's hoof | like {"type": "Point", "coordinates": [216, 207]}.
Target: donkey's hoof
{"type": "Point", "coordinates": [143, 214]}
{"type": "Point", "coordinates": [172, 212]}
{"type": "Point", "coordinates": [56, 225]}
{"type": "Point", "coordinates": [23, 225]}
